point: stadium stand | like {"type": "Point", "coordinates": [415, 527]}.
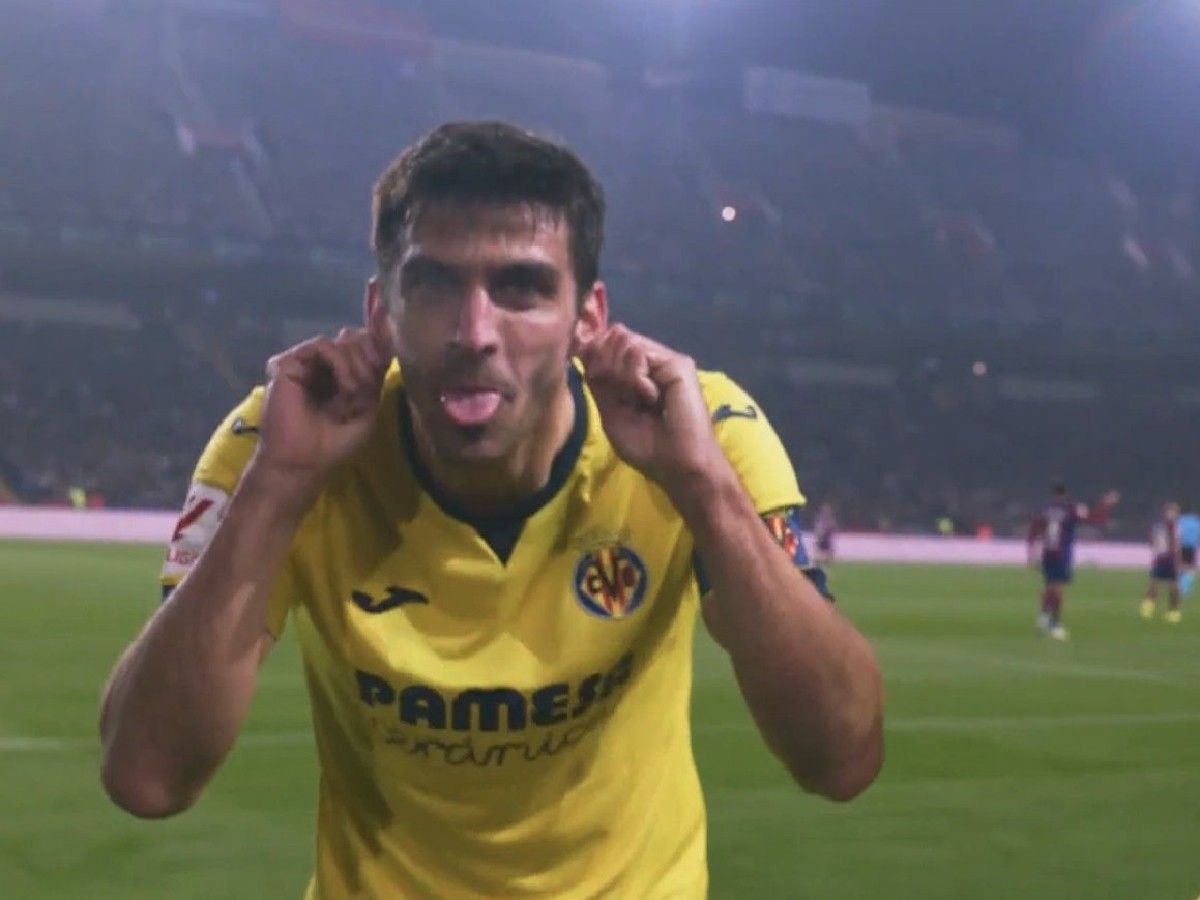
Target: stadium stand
{"type": "Point", "coordinates": [864, 271]}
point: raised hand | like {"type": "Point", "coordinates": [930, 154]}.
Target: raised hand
{"type": "Point", "coordinates": [321, 403]}
{"type": "Point", "coordinates": [653, 410]}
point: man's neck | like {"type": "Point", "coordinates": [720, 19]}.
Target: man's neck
{"type": "Point", "coordinates": [492, 489]}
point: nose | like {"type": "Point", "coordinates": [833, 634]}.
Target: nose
{"type": "Point", "coordinates": [476, 329]}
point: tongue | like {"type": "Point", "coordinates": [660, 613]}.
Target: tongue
{"type": "Point", "coordinates": [470, 407]}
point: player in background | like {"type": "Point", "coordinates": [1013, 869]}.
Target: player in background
{"type": "Point", "coordinates": [825, 534]}
{"type": "Point", "coordinates": [1188, 529]}
{"type": "Point", "coordinates": [1164, 564]}
{"type": "Point", "coordinates": [1052, 531]}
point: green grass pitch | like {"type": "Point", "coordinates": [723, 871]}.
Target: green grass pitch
{"type": "Point", "coordinates": [1016, 767]}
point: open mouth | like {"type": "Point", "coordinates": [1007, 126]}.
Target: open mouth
{"type": "Point", "coordinates": [470, 407]}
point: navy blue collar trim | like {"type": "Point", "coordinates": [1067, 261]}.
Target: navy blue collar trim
{"type": "Point", "coordinates": [501, 532]}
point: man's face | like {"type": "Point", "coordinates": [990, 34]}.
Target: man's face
{"type": "Point", "coordinates": [484, 316]}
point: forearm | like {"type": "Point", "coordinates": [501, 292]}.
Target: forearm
{"type": "Point", "coordinates": [180, 692]}
{"type": "Point", "coordinates": [810, 679]}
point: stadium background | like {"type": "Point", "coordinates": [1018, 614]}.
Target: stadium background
{"type": "Point", "coordinates": [950, 248]}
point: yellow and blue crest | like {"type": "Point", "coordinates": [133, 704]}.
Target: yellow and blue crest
{"type": "Point", "coordinates": [610, 581]}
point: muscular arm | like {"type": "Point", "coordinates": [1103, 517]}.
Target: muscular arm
{"type": "Point", "coordinates": [810, 679]}
{"type": "Point", "coordinates": [178, 695]}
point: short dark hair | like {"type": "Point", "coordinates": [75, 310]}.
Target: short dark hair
{"type": "Point", "coordinates": [490, 163]}
{"type": "Point", "coordinates": [1059, 488]}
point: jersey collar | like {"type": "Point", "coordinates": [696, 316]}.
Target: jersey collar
{"type": "Point", "coordinates": [564, 463]}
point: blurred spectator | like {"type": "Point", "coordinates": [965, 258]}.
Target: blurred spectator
{"type": "Point", "coordinates": [204, 138]}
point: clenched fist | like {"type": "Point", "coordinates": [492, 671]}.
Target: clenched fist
{"type": "Point", "coordinates": [653, 410]}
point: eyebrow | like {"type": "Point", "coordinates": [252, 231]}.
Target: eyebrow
{"type": "Point", "coordinates": [533, 271]}
{"type": "Point", "coordinates": [424, 266]}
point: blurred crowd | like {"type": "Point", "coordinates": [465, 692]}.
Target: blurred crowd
{"type": "Point", "coordinates": [752, 241]}
{"type": "Point", "coordinates": [118, 414]}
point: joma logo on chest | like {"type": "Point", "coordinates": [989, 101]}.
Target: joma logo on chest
{"type": "Point", "coordinates": [396, 596]}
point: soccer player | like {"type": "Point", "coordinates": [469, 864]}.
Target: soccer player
{"type": "Point", "coordinates": [492, 554]}
{"type": "Point", "coordinates": [1052, 531]}
{"type": "Point", "coordinates": [1188, 529]}
{"type": "Point", "coordinates": [1164, 564]}
{"type": "Point", "coordinates": [825, 534]}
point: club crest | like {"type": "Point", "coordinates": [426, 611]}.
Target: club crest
{"type": "Point", "coordinates": [610, 581]}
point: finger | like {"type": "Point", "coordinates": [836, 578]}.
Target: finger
{"type": "Point", "coordinates": [283, 366]}
{"type": "Point", "coordinates": [633, 369]}
{"type": "Point", "coordinates": [602, 369]}
{"type": "Point", "coordinates": [593, 371]}
{"type": "Point", "coordinates": [364, 394]}
{"type": "Point", "coordinates": [653, 365]}
{"type": "Point", "coordinates": [329, 376]}
{"type": "Point", "coordinates": [365, 365]}
{"type": "Point", "coordinates": [273, 365]}
{"type": "Point", "coordinates": [287, 361]}
{"type": "Point", "coordinates": [353, 343]}
{"type": "Point", "coordinates": [627, 387]}
{"type": "Point", "coordinates": [619, 342]}
{"type": "Point", "coordinates": [592, 354]}
{"type": "Point", "coordinates": [586, 352]}
{"type": "Point", "coordinates": [651, 347]}
{"type": "Point", "coordinates": [585, 349]}
{"type": "Point", "coordinates": [667, 368]}
{"type": "Point", "coordinates": [627, 335]}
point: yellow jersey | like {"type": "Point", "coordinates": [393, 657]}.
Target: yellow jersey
{"type": "Point", "coordinates": [500, 708]}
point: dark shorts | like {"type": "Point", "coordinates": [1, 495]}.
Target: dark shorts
{"type": "Point", "coordinates": [1188, 555]}
{"type": "Point", "coordinates": [825, 543]}
{"type": "Point", "coordinates": [1164, 570]}
{"type": "Point", "coordinates": [1056, 570]}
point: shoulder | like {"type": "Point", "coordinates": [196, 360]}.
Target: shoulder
{"type": "Point", "coordinates": [235, 440]}
{"type": "Point", "coordinates": [729, 403]}
{"type": "Point", "coordinates": [750, 443]}
{"type": "Point", "coordinates": [726, 396]}
{"type": "Point", "coordinates": [213, 481]}
{"type": "Point", "coordinates": [734, 413]}
{"type": "Point", "coordinates": [231, 445]}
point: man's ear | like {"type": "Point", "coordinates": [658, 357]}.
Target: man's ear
{"type": "Point", "coordinates": [592, 320]}
{"type": "Point", "coordinates": [375, 317]}
{"type": "Point", "coordinates": [371, 300]}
